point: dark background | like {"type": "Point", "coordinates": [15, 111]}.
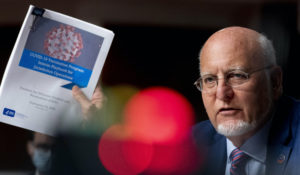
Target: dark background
{"type": "Point", "coordinates": [156, 43]}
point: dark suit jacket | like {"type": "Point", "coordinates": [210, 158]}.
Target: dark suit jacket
{"type": "Point", "coordinates": [283, 149]}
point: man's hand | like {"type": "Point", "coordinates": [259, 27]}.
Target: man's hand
{"type": "Point", "coordinates": [88, 107]}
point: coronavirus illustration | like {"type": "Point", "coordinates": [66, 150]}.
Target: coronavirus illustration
{"type": "Point", "coordinates": [63, 43]}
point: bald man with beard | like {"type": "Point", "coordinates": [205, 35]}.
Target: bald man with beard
{"type": "Point", "coordinates": [252, 128]}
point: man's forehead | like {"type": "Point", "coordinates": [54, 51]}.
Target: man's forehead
{"type": "Point", "coordinates": [228, 57]}
{"type": "Point", "coordinates": [231, 50]}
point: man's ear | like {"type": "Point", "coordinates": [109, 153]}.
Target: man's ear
{"type": "Point", "coordinates": [30, 148]}
{"type": "Point", "coordinates": [276, 81]}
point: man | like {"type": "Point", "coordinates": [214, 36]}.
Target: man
{"type": "Point", "coordinates": [251, 129]}
{"type": "Point", "coordinates": [40, 151]}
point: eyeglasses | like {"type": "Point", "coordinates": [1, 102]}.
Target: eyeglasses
{"type": "Point", "coordinates": [234, 78]}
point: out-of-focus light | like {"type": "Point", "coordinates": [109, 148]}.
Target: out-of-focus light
{"type": "Point", "coordinates": [154, 137]}
{"type": "Point", "coordinates": [175, 158]}
{"type": "Point", "coordinates": [111, 113]}
{"type": "Point", "coordinates": [158, 114]}
{"type": "Point", "coordinates": [122, 154]}
{"type": "Point", "coordinates": [117, 98]}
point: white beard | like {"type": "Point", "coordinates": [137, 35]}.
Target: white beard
{"type": "Point", "coordinates": [235, 128]}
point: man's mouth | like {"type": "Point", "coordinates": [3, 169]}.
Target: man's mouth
{"type": "Point", "coordinates": [228, 111]}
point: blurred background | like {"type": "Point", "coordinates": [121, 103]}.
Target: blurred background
{"type": "Point", "coordinates": [156, 44]}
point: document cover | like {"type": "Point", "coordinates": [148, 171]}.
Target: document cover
{"type": "Point", "coordinates": [53, 52]}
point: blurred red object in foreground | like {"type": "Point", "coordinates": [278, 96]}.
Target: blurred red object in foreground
{"type": "Point", "coordinates": [123, 155]}
{"type": "Point", "coordinates": [175, 158]}
{"type": "Point", "coordinates": [158, 114]}
{"type": "Point", "coordinates": [155, 137]}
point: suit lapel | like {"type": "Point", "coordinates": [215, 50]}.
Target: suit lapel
{"type": "Point", "coordinates": [280, 139]}
{"type": "Point", "coordinates": [217, 156]}
{"type": "Point", "coordinates": [214, 147]}
{"type": "Point", "coordinates": [277, 159]}
{"type": "Point", "coordinates": [220, 155]}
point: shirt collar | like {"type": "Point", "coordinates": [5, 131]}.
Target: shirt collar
{"type": "Point", "coordinates": [255, 146]}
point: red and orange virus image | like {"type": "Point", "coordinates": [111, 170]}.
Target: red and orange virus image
{"type": "Point", "coordinates": [63, 43]}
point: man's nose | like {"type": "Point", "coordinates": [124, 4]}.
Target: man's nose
{"type": "Point", "coordinates": [224, 92]}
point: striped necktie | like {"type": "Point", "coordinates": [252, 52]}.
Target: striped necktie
{"type": "Point", "coordinates": [238, 160]}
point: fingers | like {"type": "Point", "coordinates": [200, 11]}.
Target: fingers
{"type": "Point", "coordinates": [79, 96]}
{"type": "Point", "coordinates": [88, 107]}
{"type": "Point", "coordinates": [97, 98]}
{"type": "Point", "coordinates": [82, 99]}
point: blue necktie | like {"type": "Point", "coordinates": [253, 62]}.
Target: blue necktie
{"type": "Point", "coordinates": [238, 161]}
